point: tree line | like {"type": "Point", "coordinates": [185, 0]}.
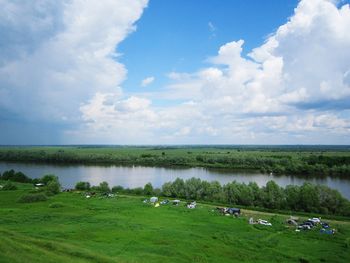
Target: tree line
{"type": "Point", "coordinates": [305, 198]}
{"type": "Point", "coordinates": [316, 164]}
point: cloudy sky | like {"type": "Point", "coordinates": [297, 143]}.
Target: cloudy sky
{"type": "Point", "coordinates": [174, 72]}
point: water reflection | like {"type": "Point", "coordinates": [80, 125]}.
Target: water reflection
{"type": "Point", "coordinates": [138, 176]}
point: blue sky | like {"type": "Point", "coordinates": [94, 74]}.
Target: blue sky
{"type": "Point", "coordinates": [176, 36]}
{"type": "Point", "coordinates": [175, 72]}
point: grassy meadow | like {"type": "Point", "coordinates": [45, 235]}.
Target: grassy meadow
{"type": "Point", "coordinates": [70, 228]}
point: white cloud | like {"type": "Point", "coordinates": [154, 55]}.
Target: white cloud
{"type": "Point", "coordinates": [212, 28]}
{"type": "Point", "coordinates": [295, 83]}
{"type": "Point", "coordinates": [294, 88]}
{"type": "Point", "coordinates": [147, 81]}
{"type": "Point", "coordinates": [276, 95]}
{"type": "Point", "coordinates": [65, 56]}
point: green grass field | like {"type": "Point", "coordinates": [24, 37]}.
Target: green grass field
{"type": "Point", "coordinates": [124, 229]}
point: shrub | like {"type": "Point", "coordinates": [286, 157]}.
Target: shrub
{"type": "Point", "coordinates": [9, 186]}
{"type": "Point", "coordinates": [48, 178]}
{"type": "Point", "coordinates": [82, 186]}
{"type": "Point", "coordinates": [37, 190]}
{"type": "Point", "coordinates": [103, 187]}
{"type": "Point", "coordinates": [31, 198]}
{"type": "Point", "coordinates": [56, 205]}
{"type": "Point", "coordinates": [53, 188]}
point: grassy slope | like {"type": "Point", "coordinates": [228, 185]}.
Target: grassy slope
{"type": "Point", "coordinates": [124, 229]}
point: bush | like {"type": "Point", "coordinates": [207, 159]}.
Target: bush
{"type": "Point", "coordinates": [53, 188]}
{"type": "Point", "coordinates": [56, 205]}
{"type": "Point", "coordinates": [82, 186]}
{"type": "Point", "coordinates": [103, 187]}
{"type": "Point", "coordinates": [48, 178]}
{"type": "Point", "coordinates": [32, 198]}
{"type": "Point", "coordinates": [37, 190]}
{"type": "Point", "coordinates": [9, 186]}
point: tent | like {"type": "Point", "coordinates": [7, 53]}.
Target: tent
{"type": "Point", "coordinates": [153, 199]}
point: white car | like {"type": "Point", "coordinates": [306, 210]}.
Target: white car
{"type": "Point", "coordinates": [315, 220]}
{"type": "Point", "coordinates": [264, 222]}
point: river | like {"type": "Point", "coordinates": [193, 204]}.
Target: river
{"type": "Point", "coordinates": [138, 176]}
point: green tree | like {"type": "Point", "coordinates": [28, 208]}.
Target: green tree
{"type": "Point", "coordinates": [82, 186]}
{"type": "Point", "coordinates": [231, 192]}
{"type": "Point", "coordinates": [215, 191]}
{"type": "Point", "coordinates": [53, 187]}
{"type": "Point", "coordinates": [178, 188]}
{"type": "Point", "coordinates": [167, 189]}
{"type": "Point", "coordinates": [256, 192]}
{"type": "Point", "coordinates": [193, 189]}
{"type": "Point", "coordinates": [117, 189]}
{"type": "Point", "coordinates": [148, 189]}
{"type": "Point", "coordinates": [104, 187]}
{"type": "Point", "coordinates": [273, 196]}
{"type": "Point", "coordinates": [246, 195]}
{"type": "Point", "coordinates": [48, 178]}
{"type": "Point", "coordinates": [309, 198]}
{"type": "Point", "coordinates": [292, 193]}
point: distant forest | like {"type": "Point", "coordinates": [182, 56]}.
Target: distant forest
{"type": "Point", "coordinates": [294, 160]}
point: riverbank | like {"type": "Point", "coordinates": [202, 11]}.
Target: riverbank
{"type": "Point", "coordinates": [124, 229]}
{"type": "Point", "coordinates": [293, 160]}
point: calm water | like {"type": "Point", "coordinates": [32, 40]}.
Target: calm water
{"type": "Point", "coordinates": [135, 176]}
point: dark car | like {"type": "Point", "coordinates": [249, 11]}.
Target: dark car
{"type": "Point", "coordinates": [308, 224]}
{"type": "Point", "coordinates": [325, 225]}
{"type": "Point", "coordinates": [233, 211]}
{"type": "Point", "coordinates": [312, 222]}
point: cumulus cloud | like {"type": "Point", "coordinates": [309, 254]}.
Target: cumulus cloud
{"type": "Point", "coordinates": [296, 82]}
{"type": "Point", "coordinates": [292, 89]}
{"type": "Point", "coordinates": [295, 88]}
{"type": "Point", "coordinates": [59, 54]}
{"type": "Point", "coordinates": [147, 81]}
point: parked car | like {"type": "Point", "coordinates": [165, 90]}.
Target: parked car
{"type": "Point", "coordinates": [309, 223]}
{"type": "Point", "coordinates": [164, 202]}
{"type": "Point", "coordinates": [264, 222]}
{"type": "Point", "coordinates": [191, 205]}
{"type": "Point", "coordinates": [325, 225]}
{"type": "Point", "coordinates": [315, 220]}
